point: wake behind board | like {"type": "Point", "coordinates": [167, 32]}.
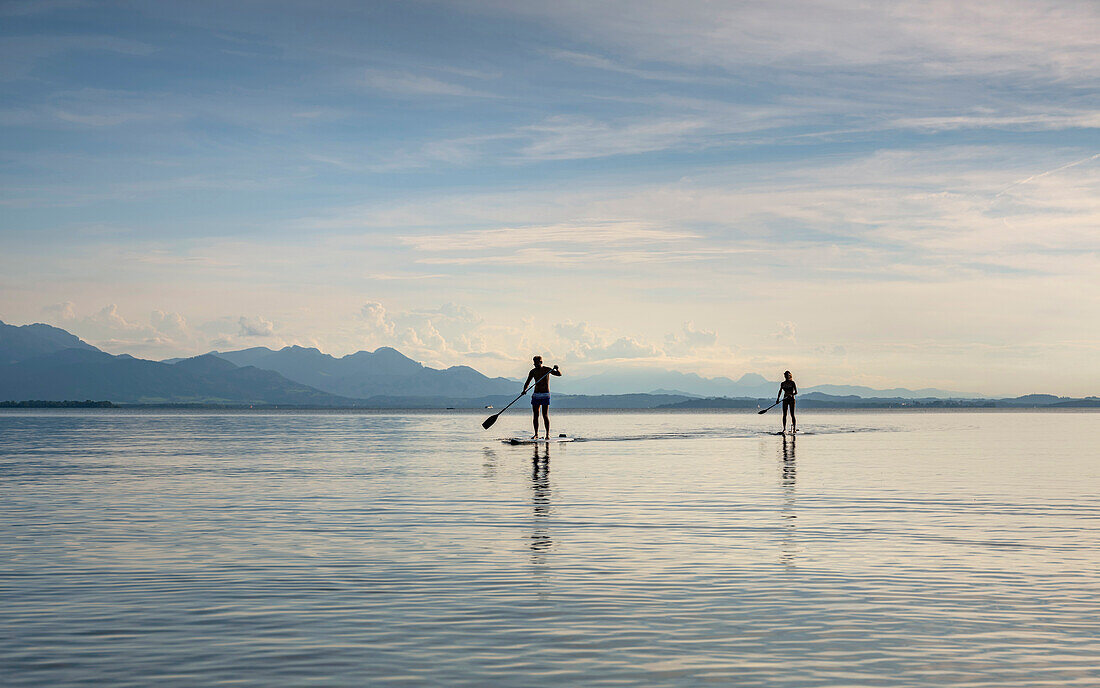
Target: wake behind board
{"type": "Point", "coordinates": [540, 440]}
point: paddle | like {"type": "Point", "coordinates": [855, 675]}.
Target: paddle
{"type": "Point", "coordinates": [763, 411]}
{"type": "Point", "coordinates": [493, 418]}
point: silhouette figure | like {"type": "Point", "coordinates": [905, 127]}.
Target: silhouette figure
{"type": "Point", "coordinates": [540, 375]}
{"type": "Point", "coordinates": [788, 390]}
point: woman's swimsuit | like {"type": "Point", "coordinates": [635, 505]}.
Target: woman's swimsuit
{"type": "Point", "coordinates": [789, 390]}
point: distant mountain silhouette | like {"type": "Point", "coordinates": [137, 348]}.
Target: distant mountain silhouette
{"type": "Point", "coordinates": [384, 372]}
{"type": "Point", "coordinates": [40, 362]}
{"type": "Point", "coordinates": [899, 392]}
{"type": "Point", "coordinates": [87, 373]}
{"type": "Point", "coordinates": [749, 385]}
{"type": "Point", "coordinates": [644, 381]}
{"type": "Point", "coordinates": [18, 343]}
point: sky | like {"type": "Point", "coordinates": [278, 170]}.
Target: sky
{"type": "Point", "coordinates": [890, 194]}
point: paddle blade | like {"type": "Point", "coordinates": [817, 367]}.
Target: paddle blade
{"type": "Point", "coordinates": [763, 411]}
{"type": "Point", "coordinates": [489, 421]}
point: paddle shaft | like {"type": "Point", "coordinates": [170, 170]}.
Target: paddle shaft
{"type": "Point", "coordinates": [493, 418]}
{"type": "Point", "coordinates": [762, 411]}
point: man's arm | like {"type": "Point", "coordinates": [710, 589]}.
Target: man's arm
{"type": "Point", "coordinates": [555, 371]}
{"type": "Point", "coordinates": [528, 381]}
{"type": "Point", "coordinates": [779, 393]}
{"type": "Point", "coordinates": [794, 388]}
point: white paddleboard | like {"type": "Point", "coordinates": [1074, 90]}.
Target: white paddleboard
{"type": "Point", "coordinates": [532, 440]}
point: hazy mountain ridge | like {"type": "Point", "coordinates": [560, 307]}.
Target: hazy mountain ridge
{"type": "Point", "coordinates": [92, 374]}
{"type": "Point", "coordinates": [22, 342]}
{"type": "Point", "coordinates": [818, 400]}
{"type": "Point", "coordinates": [752, 385]}
{"type": "Point", "coordinates": [47, 363]}
{"type": "Point", "coordinates": [383, 372]}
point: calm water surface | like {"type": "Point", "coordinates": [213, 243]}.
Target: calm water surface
{"type": "Point", "coordinates": [667, 549]}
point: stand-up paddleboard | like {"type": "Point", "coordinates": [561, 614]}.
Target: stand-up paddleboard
{"type": "Point", "coordinates": [537, 440]}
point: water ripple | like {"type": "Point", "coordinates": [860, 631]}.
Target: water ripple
{"type": "Point", "coordinates": [330, 549]}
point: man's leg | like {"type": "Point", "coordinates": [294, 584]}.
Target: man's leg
{"type": "Point", "coordinates": [784, 416]}
{"type": "Point", "coordinates": [546, 419]}
{"type": "Point", "coordinates": [535, 419]}
{"type": "Point", "coordinates": [792, 418]}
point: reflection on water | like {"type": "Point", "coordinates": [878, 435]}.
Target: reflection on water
{"type": "Point", "coordinates": [788, 475]}
{"type": "Point", "coordinates": [541, 542]}
{"type": "Point", "coordinates": [891, 549]}
{"type": "Point", "coordinates": [489, 463]}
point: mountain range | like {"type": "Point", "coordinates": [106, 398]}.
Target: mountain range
{"type": "Point", "coordinates": [41, 362]}
{"type": "Point", "coordinates": [749, 385]}
{"type": "Point", "coordinates": [47, 363]}
{"type": "Point", "coordinates": [385, 371]}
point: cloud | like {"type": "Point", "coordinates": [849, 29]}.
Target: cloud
{"type": "Point", "coordinates": [110, 317]}
{"type": "Point", "coordinates": [409, 84]}
{"type": "Point", "coordinates": [1085, 119]}
{"type": "Point", "coordinates": [109, 329]}
{"type": "Point", "coordinates": [785, 332]}
{"type": "Point", "coordinates": [577, 138]}
{"type": "Point", "coordinates": [19, 55]}
{"type": "Point", "coordinates": [1049, 39]}
{"type": "Point", "coordinates": [173, 323]}
{"type": "Point", "coordinates": [690, 340]}
{"type": "Point", "coordinates": [61, 311]}
{"type": "Point", "coordinates": [255, 327]}
{"type": "Point", "coordinates": [579, 333]}
{"type": "Point", "coordinates": [558, 238]}
{"type": "Point", "coordinates": [374, 315]}
{"type": "Point", "coordinates": [621, 348]}
{"type": "Point", "coordinates": [585, 343]}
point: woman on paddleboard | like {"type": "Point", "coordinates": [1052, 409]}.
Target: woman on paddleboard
{"type": "Point", "coordinates": [787, 389]}
{"type": "Point", "coordinates": [540, 375]}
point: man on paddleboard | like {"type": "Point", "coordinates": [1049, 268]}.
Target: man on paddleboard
{"type": "Point", "coordinates": [540, 375]}
{"type": "Point", "coordinates": [787, 390]}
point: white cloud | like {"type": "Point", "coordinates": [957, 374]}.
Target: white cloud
{"type": "Point", "coordinates": [564, 235]}
{"type": "Point", "coordinates": [61, 311]}
{"type": "Point", "coordinates": [583, 342]}
{"type": "Point", "coordinates": [690, 340]}
{"type": "Point", "coordinates": [255, 327]}
{"type": "Point", "coordinates": [1048, 39]}
{"type": "Point", "coordinates": [577, 138]}
{"type": "Point", "coordinates": [785, 332]}
{"type": "Point", "coordinates": [19, 55]}
{"type": "Point", "coordinates": [410, 84]}
{"type": "Point", "coordinates": [172, 323]}
{"type": "Point", "coordinates": [109, 329]}
{"type": "Point", "coordinates": [374, 315]}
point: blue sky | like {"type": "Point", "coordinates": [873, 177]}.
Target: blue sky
{"type": "Point", "coordinates": [889, 194]}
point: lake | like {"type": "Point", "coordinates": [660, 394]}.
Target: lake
{"type": "Point", "coordinates": [885, 548]}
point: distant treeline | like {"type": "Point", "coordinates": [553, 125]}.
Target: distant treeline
{"type": "Point", "coordinates": [38, 403]}
{"type": "Point", "coordinates": [608, 402]}
{"type": "Point", "coordinates": [856, 403]}
{"type": "Point", "coordinates": [720, 403]}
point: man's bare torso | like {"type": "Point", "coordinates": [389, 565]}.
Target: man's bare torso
{"type": "Point", "coordinates": [541, 376]}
